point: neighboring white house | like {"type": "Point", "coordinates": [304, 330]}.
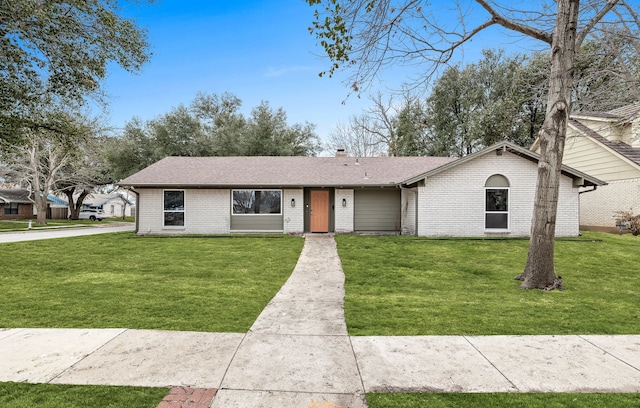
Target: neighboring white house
{"type": "Point", "coordinates": [487, 193]}
{"type": "Point", "coordinates": [606, 145]}
{"type": "Point", "coordinates": [115, 205]}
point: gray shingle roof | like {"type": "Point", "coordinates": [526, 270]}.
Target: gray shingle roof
{"type": "Point", "coordinates": [281, 171]}
{"type": "Point", "coordinates": [14, 195]}
{"type": "Point", "coordinates": [626, 113]}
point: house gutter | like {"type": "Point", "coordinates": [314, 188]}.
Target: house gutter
{"type": "Point", "coordinates": [588, 191]}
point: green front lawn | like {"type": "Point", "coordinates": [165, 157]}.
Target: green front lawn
{"type": "Point", "coordinates": [214, 284]}
{"type": "Point", "coordinates": [399, 285]}
{"type": "Point", "coordinates": [394, 286]}
{"type": "Point", "coordinates": [21, 395]}
{"type": "Point", "coordinates": [454, 400]}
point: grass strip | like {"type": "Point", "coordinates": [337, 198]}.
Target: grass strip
{"type": "Point", "coordinates": [22, 395]}
{"type": "Point", "coordinates": [514, 400]}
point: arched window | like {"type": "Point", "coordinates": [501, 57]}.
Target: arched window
{"type": "Point", "coordinates": [496, 212]}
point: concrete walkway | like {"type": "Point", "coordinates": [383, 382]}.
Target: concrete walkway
{"type": "Point", "coordinates": [298, 354]}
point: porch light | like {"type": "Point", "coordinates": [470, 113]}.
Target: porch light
{"type": "Point", "coordinates": [293, 202]}
{"type": "Point", "coordinates": [344, 202]}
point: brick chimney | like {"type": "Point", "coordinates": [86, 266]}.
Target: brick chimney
{"type": "Point", "coordinates": [341, 153]}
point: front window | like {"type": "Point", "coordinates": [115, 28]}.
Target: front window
{"type": "Point", "coordinates": [497, 202]}
{"type": "Point", "coordinates": [11, 208]}
{"type": "Point", "coordinates": [174, 208]}
{"type": "Point", "coordinates": [257, 202]}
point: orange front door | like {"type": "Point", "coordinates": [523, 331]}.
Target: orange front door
{"type": "Point", "coordinates": [319, 211]}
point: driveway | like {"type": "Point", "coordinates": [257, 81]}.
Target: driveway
{"type": "Point", "coordinates": [33, 235]}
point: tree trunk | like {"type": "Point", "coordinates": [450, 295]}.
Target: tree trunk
{"type": "Point", "coordinates": [75, 207]}
{"type": "Point", "coordinates": [539, 271]}
{"type": "Point", "coordinates": [41, 207]}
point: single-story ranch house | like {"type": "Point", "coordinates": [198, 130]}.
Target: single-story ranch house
{"type": "Point", "coordinates": [16, 204]}
{"type": "Point", "coordinates": [490, 192]}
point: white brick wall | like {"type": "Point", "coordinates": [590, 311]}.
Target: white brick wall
{"type": "Point", "coordinates": [293, 216]}
{"type": "Point", "coordinates": [409, 223]}
{"type": "Point", "coordinates": [597, 208]}
{"type": "Point", "coordinates": [207, 211]}
{"type": "Point", "coordinates": [452, 202]}
{"type": "Point", "coordinates": [343, 215]}
{"type": "Point", "coordinates": [149, 204]}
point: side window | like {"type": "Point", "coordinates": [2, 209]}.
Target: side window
{"type": "Point", "coordinates": [173, 208]}
{"type": "Point", "coordinates": [496, 215]}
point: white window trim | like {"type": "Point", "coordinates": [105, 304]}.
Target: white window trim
{"type": "Point", "coordinates": [184, 211]}
{"type": "Point", "coordinates": [258, 215]}
{"type": "Point", "coordinates": [508, 212]}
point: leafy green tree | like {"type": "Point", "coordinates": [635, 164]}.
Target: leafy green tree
{"type": "Point", "coordinates": [57, 52]}
{"type": "Point", "coordinates": [483, 103]}
{"type": "Point", "coordinates": [268, 134]}
{"type": "Point", "coordinates": [450, 111]}
{"type": "Point", "coordinates": [606, 75]}
{"type": "Point", "coordinates": [410, 124]}
{"type": "Point", "coordinates": [211, 125]}
{"type": "Point", "coordinates": [220, 118]}
{"type": "Point", "coordinates": [131, 151]}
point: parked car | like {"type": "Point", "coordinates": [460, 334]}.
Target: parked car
{"type": "Point", "coordinates": [92, 215]}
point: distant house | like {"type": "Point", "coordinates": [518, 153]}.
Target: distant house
{"type": "Point", "coordinates": [606, 145]}
{"type": "Point", "coordinates": [114, 204]}
{"type": "Point", "coordinates": [487, 193]}
{"type": "Point", "coordinates": [58, 209]}
{"type": "Point", "coordinates": [15, 204]}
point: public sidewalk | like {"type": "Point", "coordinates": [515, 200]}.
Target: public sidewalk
{"type": "Point", "coordinates": [298, 354]}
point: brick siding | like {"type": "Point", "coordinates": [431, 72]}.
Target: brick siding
{"type": "Point", "coordinates": [452, 203]}
{"type": "Point", "coordinates": [293, 216]}
{"type": "Point", "coordinates": [597, 208]}
{"type": "Point", "coordinates": [343, 215]}
{"type": "Point", "coordinates": [207, 211]}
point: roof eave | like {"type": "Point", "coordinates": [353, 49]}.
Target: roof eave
{"type": "Point", "coordinates": [257, 186]}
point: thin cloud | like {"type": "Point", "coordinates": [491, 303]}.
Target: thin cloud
{"type": "Point", "coordinates": [276, 72]}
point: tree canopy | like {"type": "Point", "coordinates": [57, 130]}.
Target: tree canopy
{"type": "Point", "coordinates": [58, 52]}
{"type": "Point", "coordinates": [212, 125]}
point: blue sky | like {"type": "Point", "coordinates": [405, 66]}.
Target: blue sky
{"type": "Point", "coordinates": [255, 49]}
